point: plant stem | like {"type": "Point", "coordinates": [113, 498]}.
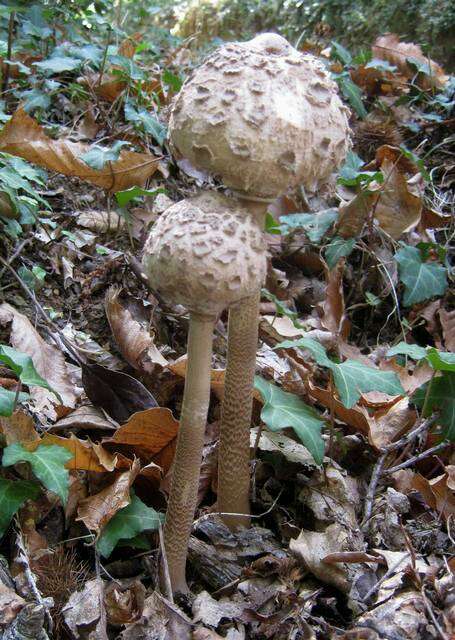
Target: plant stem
{"type": "Point", "coordinates": [188, 456]}
{"type": "Point", "coordinates": [234, 447]}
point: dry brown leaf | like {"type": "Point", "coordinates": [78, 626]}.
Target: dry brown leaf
{"type": "Point", "coordinates": [333, 316]}
{"type": "Point", "coordinates": [124, 604]}
{"type": "Point", "coordinates": [410, 382]}
{"type": "Point", "coordinates": [96, 511]}
{"type": "Point", "coordinates": [437, 493]}
{"type": "Point", "coordinates": [390, 423]}
{"type": "Point", "coordinates": [447, 319]}
{"type": "Point", "coordinates": [101, 221]}
{"type": "Point", "coordinates": [48, 361]}
{"type": "Point", "coordinates": [18, 428]}
{"type": "Point", "coordinates": [216, 375]}
{"type": "Point", "coordinates": [85, 417]}
{"type": "Point", "coordinates": [24, 137]}
{"type": "Point", "coordinates": [354, 214]}
{"type": "Point", "coordinates": [87, 455]}
{"type": "Point", "coordinates": [149, 435]}
{"type": "Point", "coordinates": [134, 341]}
{"type": "Point", "coordinates": [356, 417]}
{"type": "Point", "coordinates": [10, 604]}
{"type": "Point", "coordinates": [84, 612]}
{"type": "Point", "coordinates": [389, 47]}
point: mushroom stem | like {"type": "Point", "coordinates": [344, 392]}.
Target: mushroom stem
{"type": "Point", "coordinates": [234, 447]}
{"type": "Point", "coordinates": [188, 456]}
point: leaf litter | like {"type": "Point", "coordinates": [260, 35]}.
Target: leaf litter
{"type": "Point", "coordinates": [352, 463]}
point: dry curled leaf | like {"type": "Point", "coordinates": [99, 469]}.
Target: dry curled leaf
{"type": "Point", "coordinates": [134, 340]}
{"type": "Point", "coordinates": [216, 375]}
{"type": "Point", "coordinates": [389, 47]}
{"type": "Point", "coordinates": [333, 315]}
{"type": "Point", "coordinates": [96, 511]}
{"type": "Point", "coordinates": [48, 361]}
{"type": "Point", "coordinates": [149, 435]}
{"type": "Point", "coordinates": [22, 136]}
{"type": "Point", "coordinates": [447, 319]}
{"type": "Point", "coordinates": [18, 428]}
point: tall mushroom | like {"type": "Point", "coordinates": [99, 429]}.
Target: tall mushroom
{"type": "Point", "coordinates": [205, 253]}
{"type": "Point", "coordinates": [262, 117]}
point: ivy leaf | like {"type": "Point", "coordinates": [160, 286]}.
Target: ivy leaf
{"type": "Point", "coordinates": [58, 64]}
{"type": "Point", "coordinates": [422, 280]}
{"type": "Point", "coordinates": [440, 396]}
{"type": "Point", "coordinates": [98, 156]}
{"type": "Point", "coordinates": [128, 523]}
{"type": "Point", "coordinates": [351, 377]}
{"type": "Point", "coordinates": [23, 367]}
{"type": "Point", "coordinates": [282, 409]}
{"type": "Point", "coordinates": [315, 225]}
{"type": "Point", "coordinates": [350, 168]}
{"type": "Point", "coordinates": [441, 360]}
{"type": "Point", "coordinates": [13, 494]}
{"type": "Point", "coordinates": [338, 52]}
{"type": "Point", "coordinates": [282, 309]}
{"type": "Point", "coordinates": [352, 93]}
{"type": "Point", "coordinates": [47, 462]}
{"type": "Point", "coordinates": [123, 197]}
{"type": "Point", "coordinates": [404, 349]}
{"type": "Point", "coordinates": [337, 249]}
{"type": "Point", "coordinates": [144, 119]}
{"type": "Point", "coordinates": [7, 400]}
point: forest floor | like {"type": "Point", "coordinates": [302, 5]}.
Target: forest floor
{"type": "Point", "coordinates": [355, 545]}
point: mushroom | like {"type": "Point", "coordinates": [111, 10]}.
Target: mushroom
{"type": "Point", "coordinates": [205, 253]}
{"type": "Point", "coordinates": [262, 117]}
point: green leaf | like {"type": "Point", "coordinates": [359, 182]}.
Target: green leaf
{"type": "Point", "coordinates": [128, 523]}
{"type": "Point", "coordinates": [350, 169]}
{"type": "Point", "coordinates": [404, 349]}
{"type": "Point", "coordinates": [340, 53]}
{"type": "Point", "coordinates": [13, 494]}
{"type": "Point", "coordinates": [352, 378]}
{"type": "Point", "coordinates": [47, 462]}
{"type": "Point", "coordinates": [123, 197]}
{"type": "Point", "coordinates": [338, 248]}
{"type": "Point", "coordinates": [352, 93]}
{"type": "Point", "coordinates": [144, 119]}
{"type": "Point", "coordinates": [315, 225]}
{"type": "Point", "coordinates": [23, 367]}
{"type": "Point", "coordinates": [58, 64]}
{"type": "Point", "coordinates": [98, 156]}
{"type": "Point", "coordinates": [440, 396]}
{"type": "Point", "coordinates": [441, 360]}
{"type": "Point", "coordinates": [313, 346]}
{"type": "Point", "coordinates": [271, 225]}
{"type": "Point", "coordinates": [282, 309]}
{"type": "Point", "coordinates": [422, 280]}
{"type": "Point", "coordinates": [172, 80]}
{"type": "Point", "coordinates": [7, 399]}
{"type": "Point", "coordinates": [283, 410]}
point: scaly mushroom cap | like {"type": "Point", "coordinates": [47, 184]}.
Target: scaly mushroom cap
{"type": "Point", "coordinates": [205, 253]}
{"type": "Point", "coordinates": [262, 116]}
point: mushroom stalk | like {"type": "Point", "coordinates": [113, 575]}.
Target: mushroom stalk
{"type": "Point", "coordinates": [190, 442]}
{"type": "Point", "coordinates": [234, 447]}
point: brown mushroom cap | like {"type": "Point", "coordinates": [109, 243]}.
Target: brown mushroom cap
{"type": "Point", "coordinates": [262, 116]}
{"type": "Point", "coordinates": [205, 253]}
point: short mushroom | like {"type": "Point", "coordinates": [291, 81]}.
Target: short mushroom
{"type": "Point", "coordinates": [262, 117]}
{"type": "Point", "coordinates": [205, 253]}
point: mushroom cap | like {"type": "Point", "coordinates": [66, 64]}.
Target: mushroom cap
{"type": "Point", "coordinates": [261, 116]}
{"type": "Point", "coordinates": [205, 253]}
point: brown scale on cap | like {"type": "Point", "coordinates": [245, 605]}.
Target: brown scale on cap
{"type": "Point", "coordinates": [205, 253]}
{"type": "Point", "coordinates": [262, 116]}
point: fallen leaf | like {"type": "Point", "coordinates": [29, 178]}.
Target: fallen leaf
{"type": "Point", "coordinates": [390, 423]}
{"type": "Point", "coordinates": [160, 620]}
{"type": "Point", "coordinates": [210, 611]}
{"type": "Point", "coordinates": [18, 428]}
{"type": "Point", "coordinates": [149, 435]}
{"type": "Point", "coordinates": [24, 137]}
{"type": "Point", "coordinates": [96, 511]}
{"type": "Point", "coordinates": [402, 616]}
{"type": "Point", "coordinates": [389, 47]}
{"type": "Point", "coordinates": [354, 214]}
{"type": "Point", "coordinates": [447, 319]}
{"type": "Point", "coordinates": [87, 455]}
{"type": "Point", "coordinates": [124, 604]}
{"type": "Point", "coordinates": [10, 604]}
{"type": "Point", "coordinates": [333, 315]}
{"type": "Point", "coordinates": [87, 418]}
{"type": "Point", "coordinates": [134, 340]}
{"type": "Point", "coordinates": [101, 221]}
{"type": "Point", "coordinates": [275, 445]}
{"type": "Point", "coordinates": [48, 361]}
{"type": "Point", "coordinates": [83, 613]}
{"type": "Point", "coordinates": [179, 367]}
{"type": "Point", "coordinates": [119, 394]}
{"type": "Point", "coordinates": [437, 493]}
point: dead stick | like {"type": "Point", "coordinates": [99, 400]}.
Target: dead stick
{"type": "Point", "coordinates": [417, 458]}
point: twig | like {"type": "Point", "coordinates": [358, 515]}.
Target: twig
{"type": "Point", "coordinates": [386, 575]}
{"type": "Point", "coordinates": [206, 516]}
{"type": "Point", "coordinates": [430, 612]}
{"type": "Point", "coordinates": [418, 457]}
{"type": "Point", "coordinates": [379, 466]}
{"type": "Point", "coordinates": [165, 567]}
{"type": "Point", "coordinates": [16, 253]}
